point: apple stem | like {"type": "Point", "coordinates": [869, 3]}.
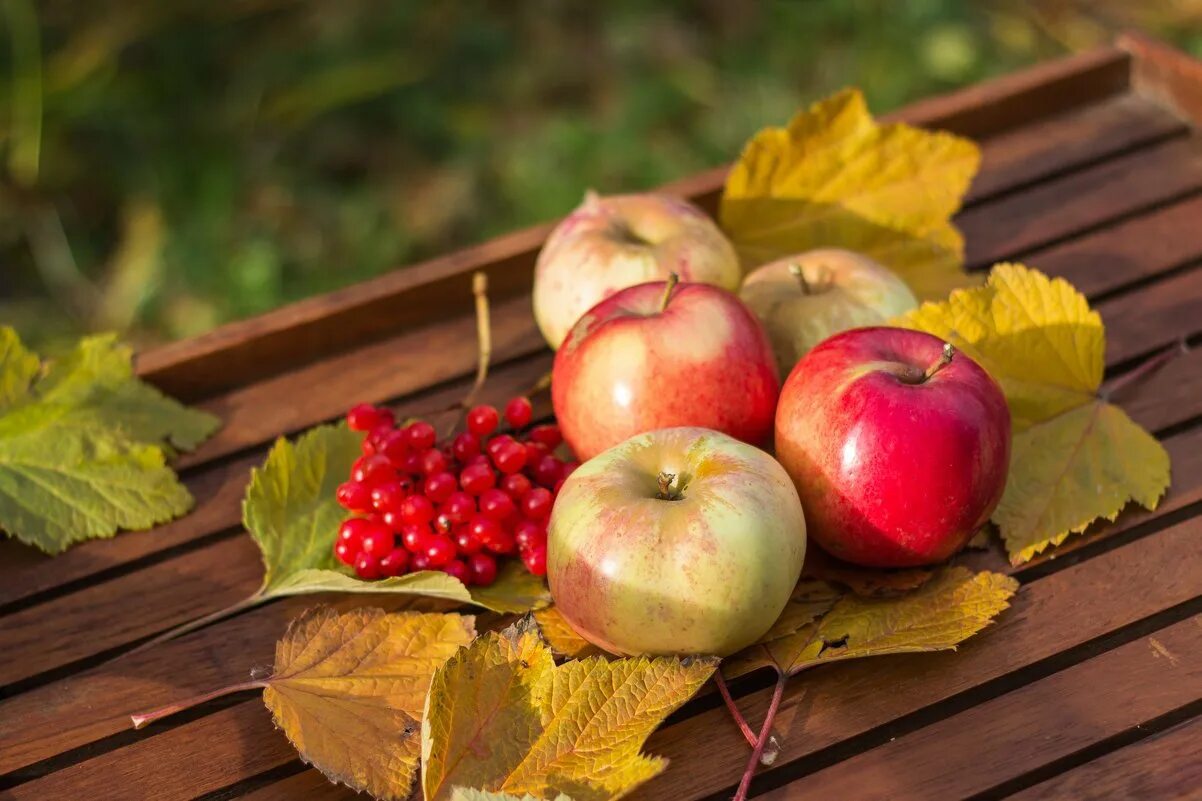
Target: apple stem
{"type": "Point", "coordinates": [668, 490]}
{"type": "Point", "coordinates": [673, 279]}
{"type": "Point", "coordinates": [757, 753]}
{"type": "Point", "coordinates": [146, 718]}
{"type": "Point", "coordinates": [796, 271]}
{"type": "Point", "coordinates": [1149, 366]}
{"type": "Point", "coordinates": [750, 736]}
{"type": "Point", "coordinates": [944, 360]}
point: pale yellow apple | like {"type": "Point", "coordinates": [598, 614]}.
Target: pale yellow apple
{"type": "Point", "coordinates": [610, 243]}
{"type": "Point", "coordinates": [803, 299]}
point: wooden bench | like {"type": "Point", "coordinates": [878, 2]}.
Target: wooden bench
{"type": "Point", "coordinates": [1090, 686]}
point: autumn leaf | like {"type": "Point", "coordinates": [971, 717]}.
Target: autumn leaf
{"type": "Point", "coordinates": [863, 581]}
{"type": "Point", "coordinates": [466, 794]}
{"type": "Point", "coordinates": [502, 717]}
{"type": "Point", "coordinates": [562, 638]}
{"type": "Point", "coordinates": [836, 178]}
{"type": "Point", "coordinates": [84, 445]}
{"type": "Point", "coordinates": [293, 515]}
{"type": "Point", "coordinates": [1074, 457]}
{"type": "Point", "coordinates": [948, 609]}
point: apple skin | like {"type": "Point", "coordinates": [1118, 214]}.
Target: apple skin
{"type": "Point", "coordinates": [627, 367]}
{"type": "Point", "coordinates": [610, 243]}
{"type": "Point", "coordinates": [840, 290]}
{"type": "Point", "coordinates": [891, 473]}
{"type": "Point", "coordinates": [708, 573]}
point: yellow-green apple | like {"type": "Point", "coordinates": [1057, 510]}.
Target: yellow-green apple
{"type": "Point", "coordinates": [803, 299]}
{"type": "Point", "coordinates": [676, 541]}
{"type": "Point", "coordinates": [898, 445]}
{"type": "Point", "coordinates": [659, 355]}
{"type": "Point", "coordinates": [610, 243]}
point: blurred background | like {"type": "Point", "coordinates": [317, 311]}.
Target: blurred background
{"type": "Point", "coordinates": [168, 166]}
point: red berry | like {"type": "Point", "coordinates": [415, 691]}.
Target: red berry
{"type": "Point", "coordinates": [393, 519]}
{"type": "Point", "coordinates": [352, 530]}
{"type": "Point", "coordinates": [465, 446]}
{"type": "Point", "coordinates": [547, 435]}
{"type": "Point", "coordinates": [344, 553]}
{"type": "Point", "coordinates": [496, 504]}
{"type": "Point", "coordinates": [477, 478]}
{"type": "Point", "coordinates": [511, 458]}
{"type": "Point", "coordinates": [419, 562]}
{"type": "Point", "coordinates": [456, 569]}
{"type": "Point", "coordinates": [482, 420]}
{"type": "Point", "coordinates": [388, 496]}
{"type": "Point", "coordinates": [492, 535]}
{"type": "Point", "coordinates": [354, 496]}
{"type": "Point", "coordinates": [372, 469]}
{"type": "Point", "coordinates": [414, 538]}
{"type": "Point", "coordinates": [518, 412]}
{"type": "Point", "coordinates": [567, 469]}
{"type": "Point", "coordinates": [528, 533]}
{"type": "Point", "coordinates": [433, 461]}
{"type": "Point", "coordinates": [417, 509]}
{"type": "Point", "coordinates": [479, 458]}
{"type": "Point", "coordinates": [547, 471]}
{"type": "Point", "coordinates": [367, 566]}
{"type": "Point", "coordinates": [411, 463]}
{"type": "Point", "coordinates": [482, 569]}
{"type": "Point", "coordinates": [378, 541]}
{"type": "Point", "coordinates": [459, 507]}
{"type": "Point", "coordinates": [395, 562]}
{"type": "Point", "coordinates": [393, 446]}
{"type": "Point", "coordinates": [536, 560]}
{"type": "Point", "coordinates": [365, 417]}
{"type": "Point", "coordinates": [515, 485]}
{"type": "Point", "coordinates": [439, 551]}
{"type": "Point", "coordinates": [440, 486]}
{"type": "Point", "coordinates": [558, 486]}
{"type": "Point", "coordinates": [535, 451]}
{"type": "Point", "coordinates": [467, 542]}
{"type": "Point", "coordinates": [537, 504]}
{"type": "Point", "coordinates": [497, 443]}
{"type": "Point", "coordinates": [421, 435]}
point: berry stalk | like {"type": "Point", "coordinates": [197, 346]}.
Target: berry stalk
{"type": "Point", "coordinates": [757, 753]}
{"type": "Point", "coordinates": [750, 736]}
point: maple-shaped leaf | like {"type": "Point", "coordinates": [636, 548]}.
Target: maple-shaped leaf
{"type": "Point", "coordinates": [948, 609]}
{"type": "Point", "coordinates": [1074, 457]}
{"type": "Point", "coordinates": [292, 512]}
{"type": "Point", "coordinates": [837, 178]}
{"type": "Point", "coordinates": [468, 794]}
{"type": "Point", "coordinates": [502, 717]}
{"type": "Point", "coordinates": [562, 638]}
{"type": "Point", "coordinates": [83, 445]}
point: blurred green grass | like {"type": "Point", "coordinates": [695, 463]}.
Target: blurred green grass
{"type": "Point", "coordinates": [171, 166]}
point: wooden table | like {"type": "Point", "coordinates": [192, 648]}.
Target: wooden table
{"type": "Point", "coordinates": [1090, 686]}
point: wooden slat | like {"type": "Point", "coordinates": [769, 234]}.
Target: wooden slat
{"type": "Point", "coordinates": [308, 784]}
{"type": "Point", "coordinates": [1166, 75]}
{"type": "Point", "coordinates": [999, 740]}
{"type": "Point", "coordinates": [1173, 306]}
{"type": "Point", "coordinates": [1165, 767]}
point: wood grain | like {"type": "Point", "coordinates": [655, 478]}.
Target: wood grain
{"type": "Point", "coordinates": [1166, 75]}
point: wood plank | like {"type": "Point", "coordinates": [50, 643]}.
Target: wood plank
{"type": "Point", "coordinates": [1165, 74]}
{"type": "Point", "coordinates": [827, 705]}
{"type": "Point", "coordinates": [1165, 766]}
{"type": "Point", "coordinates": [1043, 215]}
{"type": "Point", "coordinates": [1021, 731]}
{"type": "Point", "coordinates": [1171, 306]}
{"type": "Point", "coordinates": [309, 784]}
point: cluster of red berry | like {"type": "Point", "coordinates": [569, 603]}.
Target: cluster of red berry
{"type": "Point", "coordinates": [456, 506]}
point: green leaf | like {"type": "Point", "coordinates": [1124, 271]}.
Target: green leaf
{"type": "Point", "coordinates": [293, 515]}
{"type": "Point", "coordinates": [82, 444]}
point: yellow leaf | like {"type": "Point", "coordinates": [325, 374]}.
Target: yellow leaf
{"type": "Point", "coordinates": [562, 638]}
{"type": "Point", "coordinates": [1074, 457]}
{"type": "Point", "coordinates": [467, 794]}
{"type": "Point", "coordinates": [348, 691]}
{"type": "Point", "coordinates": [836, 178]}
{"type": "Point", "coordinates": [810, 600]}
{"type": "Point", "coordinates": [502, 717]}
{"type": "Point", "coordinates": [862, 580]}
{"type": "Point", "coordinates": [948, 609]}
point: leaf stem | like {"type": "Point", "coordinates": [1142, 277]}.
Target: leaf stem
{"type": "Point", "coordinates": [740, 721]}
{"type": "Point", "coordinates": [765, 732]}
{"type": "Point", "coordinates": [200, 622]}
{"type": "Point", "coordinates": [1149, 366]}
{"type": "Point", "coordinates": [146, 718]}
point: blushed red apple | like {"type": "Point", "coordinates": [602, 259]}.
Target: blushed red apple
{"type": "Point", "coordinates": [898, 445]}
{"type": "Point", "coordinates": [677, 541]}
{"type": "Point", "coordinates": [659, 355]}
{"type": "Point", "coordinates": [610, 243]}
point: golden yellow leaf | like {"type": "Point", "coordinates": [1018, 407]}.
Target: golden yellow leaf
{"type": "Point", "coordinates": [836, 178]}
{"type": "Point", "coordinates": [948, 609]}
{"type": "Point", "coordinates": [562, 638]}
{"type": "Point", "coordinates": [348, 691]}
{"type": "Point", "coordinates": [862, 580]}
{"type": "Point", "coordinates": [1074, 457]}
{"type": "Point", "coordinates": [468, 794]}
{"type": "Point", "coordinates": [502, 717]}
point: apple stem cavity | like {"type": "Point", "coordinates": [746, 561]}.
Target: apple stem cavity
{"type": "Point", "coordinates": [944, 360]}
{"type": "Point", "coordinates": [761, 743]}
{"type": "Point", "coordinates": [669, 490]}
{"type": "Point", "coordinates": [673, 280]}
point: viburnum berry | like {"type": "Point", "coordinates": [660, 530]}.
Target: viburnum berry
{"type": "Point", "coordinates": [479, 458]}
{"type": "Point", "coordinates": [476, 478]}
{"type": "Point", "coordinates": [367, 566]}
{"type": "Point", "coordinates": [456, 568]}
{"type": "Point", "coordinates": [527, 533]}
{"type": "Point", "coordinates": [511, 458]}
{"type": "Point", "coordinates": [567, 468]}
{"type": "Point", "coordinates": [481, 569]}
{"type": "Point", "coordinates": [465, 446]}
{"type": "Point", "coordinates": [440, 486]}
{"type": "Point", "coordinates": [411, 463]}
{"type": "Point", "coordinates": [365, 417]}
{"type": "Point", "coordinates": [393, 446]}
{"type": "Point", "coordinates": [547, 471]}
{"type": "Point", "coordinates": [345, 553]}
{"type": "Point", "coordinates": [535, 560]}
{"type": "Point", "coordinates": [467, 542]}
{"type": "Point", "coordinates": [387, 496]}
{"type": "Point", "coordinates": [492, 535]}
{"type": "Point", "coordinates": [482, 420]}
{"type": "Point", "coordinates": [394, 563]}
{"type": "Point", "coordinates": [421, 435]}
{"type": "Point", "coordinates": [372, 469]}
{"type": "Point", "coordinates": [378, 541]}
{"type": "Point", "coordinates": [535, 451]}
{"type": "Point", "coordinates": [414, 538]}
{"type": "Point", "coordinates": [433, 461]}
{"type": "Point", "coordinates": [393, 519]}
{"type": "Point", "coordinates": [537, 503]}
{"type": "Point", "coordinates": [354, 496]}
{"type": "Point", "coordinates": [417, 509]}
{"type": "Point", "coordinates": [497, 443]}
{"type": "Point", "coordinates": [439, 551]}
{"type": "Point", "coordinates": [518, 412]}
{"type": "Point", "coordinates": [496, 504]}
{"type": "Point", "coordinates": [419, 561]}
{"type": "Point", "coordinates": [548, 435]}
{"type": "Point", "coordinates": [459, 507]}
{"type": "Point", "coordinates": [443, 524]}
{"type": "Point", "coordinates": [515, 485]}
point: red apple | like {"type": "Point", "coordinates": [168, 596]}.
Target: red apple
{"type": "Point", "coordinates": [898, 445]}
{"type": "Point", "coordinates": [678, 541]}
{"type": "Point", "coordinates": [659, 355]}
{"type": "Point", "coordinates": [610, 243]}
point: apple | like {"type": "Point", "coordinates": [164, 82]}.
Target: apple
{"type": "Point", "coordinates": [898, 445]}
{"type": "Point", "coordinates": [610, 243]}
{"type": "Point", "coordinates": [677, 541]}
{"type": "Point", "coordinates": [658, 355]}
{"type": "Point", "coordinates": [803, 299]}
